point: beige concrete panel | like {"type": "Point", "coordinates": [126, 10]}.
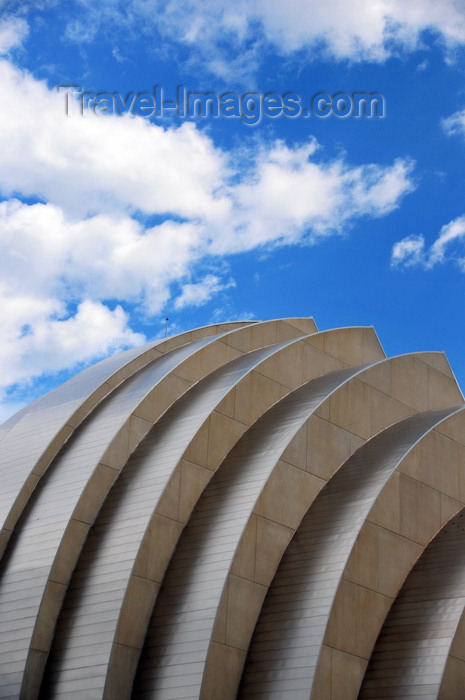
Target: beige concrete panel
{"type": "Point", "coordinates": [347, 674]}
{"type": "Point", "coordinates": [443, 389]}
{"type": "Point", "coordinates": [304, 326]}
{"type": "Point", "coordinates": [156, 548]}
{"type": "Point", "coordinates": [453, 682]}
{"type": "Point", "coordinates": [94, 493]}
{"type": "Point", "coordinates": [323, 676]}
{"type": "Point", "coordinates": [356, 612]}
{"type": "Point", "coordinates": [420, 510]}
{"type": "Point", "coordinates": [35, 668]}
{"type": "Point", "coordinates": [124, 658]}
{"type": "Point", "coordinates": [352, 345]}
{"type": "Point", "coordinates": [226, 406]}
{"type": "Point", "coordinates": [197, 452]}
{"type": "Point", "coordinates": [60, 439]}
{"type": "Point", "coordinates": [461, 459]}
{"type": "Point", "coordinates": [457, 648]}
{"type": "Point", "coordinates": [245, 557]}
{"type": "Point", "coordinates": [300, 498]}
{"type": "Point", "coordinates": [216, 355]}
{"type": "Point", "coordinates": [125, 441]}
{"type": "Point", "coordinates": [409, 382]}
{"type": "Point", "coordinates": [327, 445]}
{"type": "Point", "coordinates": [386, 510]}
{"type": "Point", "coordinates": [386, 411]}
{"type": "Point", "coordinates": [222, 433]}
{"type": "Point", "coordinates": [347, 346]}
{"type": "Point", "coordinates": [272, 540]}
{"type": "Point", "coordinates": [220, 676]}
{"type": "Point", "coordinates": [350, 408]}
{"type": "Point", "coordinates": [4, 539]}
{"type": "Point", "coordinates": [381, 558]}
{"type": "Point", "coordinates": [372, 349]}
{"type": "Point", "coordinates": [433, 452]}
{"type": "Point", "coordinates": [397, 555]}
{"type": "Point", "coordinates": [133, 618]}
{"type": "Point", "coordinates": [158, 401]}
{"type": "Point", "coordinates": [411, 651]}
{"type": "Point", "coordinates": [449, 507]}
{"type": "Point", "coordinates": [364, 561]}
{"type": "Point", "coordinates": [453, 428]}
{"type": "Point", "coordinates": [316, 362]}
{"type": "Point", "coordinates": [193, 481]}
{"type": "Point", "coordinates": [18, 506]}
{"type": "Point", "coordinates": [43, 631]}
{"type": "Point", "coordinates": [296, 452]}
{"type": "Point", "coordinates": [68, 552]}
{"type": "Point", "coordinates": [243, 597]}
{"type": "Point", "coordinates": [285, 367]}
{"type": "Point", "coordinates": [252, 394]}
{"type": "Point", "coordinates": [287, 493]}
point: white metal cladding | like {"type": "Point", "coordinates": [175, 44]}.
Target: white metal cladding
{"type": "Point", "coordinates": [163, 460]}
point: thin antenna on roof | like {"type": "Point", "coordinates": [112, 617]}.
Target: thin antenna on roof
{"type": "Point", "coordinates": [166, 326]}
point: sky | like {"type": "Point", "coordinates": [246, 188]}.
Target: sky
{"type": "Point", "coordinates": [323, 176]}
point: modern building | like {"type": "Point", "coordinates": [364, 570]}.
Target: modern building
{"type": "Point", "coordinates": [247, 510]}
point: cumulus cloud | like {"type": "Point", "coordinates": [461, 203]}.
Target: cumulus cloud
{"type": "Point", "coordinates": [78, 247]}
{"type": "Point", "coordinates": [13, 30]}
{"type": "Point", "coordinates": [455, 124]}
{"type": "Point", "coordinates": [355, 30]}
{"type": "Point", "coordinates": [198, 293]}
{"type": "Point", "coordinates": [449, 246]}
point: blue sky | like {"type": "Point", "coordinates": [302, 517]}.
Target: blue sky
{"type": "Point", "coordinates": [109, 223]}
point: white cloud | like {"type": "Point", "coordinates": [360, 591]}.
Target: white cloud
{"type": "Point", "coordinates": [449, 246]}
{"type": "Point", "coordinates": [93, 163]}
{"type": "Point", "coordinates": [289, 198]}
{"type": "Point", "coordinates": [455, 124]}
{"type": "Point", "coordinates": [224, 33]}
{"type": "Point", "coordinates": [13, 30]}
{"type": "Point", "coordinates": [35, 340]}
{"type": "Point", "coordinates": [198, 293]}
{"type": "Point", "coordinates": [408, 252]}
{"type": "Point", "coordinates": [68, 262]}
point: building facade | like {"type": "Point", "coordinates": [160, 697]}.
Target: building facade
{"type": "Point", "coordinates": [247, 510]}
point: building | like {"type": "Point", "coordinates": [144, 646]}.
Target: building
{"type": "Point", "coordinates": [250, 510]}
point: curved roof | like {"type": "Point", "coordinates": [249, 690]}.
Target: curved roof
{"type": "Point", "coordinates": [227, 513]}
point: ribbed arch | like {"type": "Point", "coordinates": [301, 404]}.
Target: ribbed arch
{"type": "Point", "coordinates": [172, 466]}
{"type": "Point", "coordinates": [168, 668]}
{"type": "Point", "coordinates": [49, 541]}
{"type": "Point", "coordinates": [30, 439]}
{"type": "Point", "coordinates": [179, 474]}
{"type": "Point", "coordinates": [411, 652]}
{"type": "Point", "coordinates": [287, 658]}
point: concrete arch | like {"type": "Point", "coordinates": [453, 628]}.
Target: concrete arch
{"type": "Point", "coordinates": [410, 655]}
{"type": "Point", "coordinates": [31, 439]}
{"type": "Point", "coordinates": [297, 632]}
{"type": "Point", "coordinates": [265, 375]}
{"type": "Point", "coordinates": [122, 420]}
{"type": "Point", "coordinates": [229, 656]}
{"type": "Point", "coordinates": [229, 438]}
